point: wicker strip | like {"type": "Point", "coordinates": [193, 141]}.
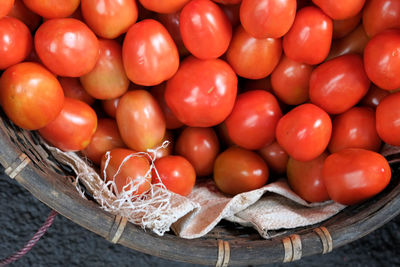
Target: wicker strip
{"type": "Point", "coordinates": [293, 248]}
{"type": "Point", "coordinates": [223, 254]}
{"type": "Point", "coordinates": [326, 239]}
{"type": "Point", "coordinates": [13, 171]}
{"type": "Point", "coordinates": [117, 229]}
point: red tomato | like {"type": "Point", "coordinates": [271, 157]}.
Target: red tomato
{"type": "Point", "coordinates": [253, 58]}
{"type": "Point", "coordinates": [140, 120]}
{"type": "Point", "coordinates": [304, 132]}
{"type": "Point", "coordinates": [238, 170]}
{"type": "Point", "coordinates": [110, 106]}
{"type": "Point", "coordinates": [267, 18]}
{"type": "Point", "coordinates": [149, 54]}
{"type": "Point", "coordinates": [73, 128]}
{"type": "Point", "coordinates": [132, 173]}
{"type": "Point", "coordinates": [24, 14]}
{"type": "Point", "coordinates": [228, 2]}
{"type": "Point", "coordinates": [353, 175]}
{"type": "Point", "coordinates": [161, 151]}
{"type": "Point", "coordinates": [380, 15]}
{"type": "Point", "coordinates": [382, 59]}
{"type": "Point", "coordinates": [15, 42]}
{"type": "Point", "coordinates": [5, 7]}
{"type": "Point", "coordinates": [30, 95]}
{"type": "Point", "coordinates": [374, 96]}
{"type": "Point", "coordinates": [200, 146]}
{"type": "Point", "coordinates": [309, 39]}
{"type": "Point", "coordinates": [67, 47]}
{"type": "Point", "coordinates": [343, 27]}
{"type": "Point", "coordinates": [387, 119]}
{"type": "Point", "coordinates": [51, 9]}
{"type": "Point", "coordinates": [339, 84]}
{"type": "Point", "coordinates": [290, 81]}
{"type": "Point", "coordinates": [340, 9]}
{"type": "Point", "coordinates": [232, 12]}
{"type": "Point", "coordinates": [164, 7]}
{"type": "Point", "coordinates": [73, 89]}
{"type": "Point", "coordinates": [205, 29]}
{"type": "Point", "coordinates": [109, 18]}
{"type": "Point", "coordinates": [355, 128]}
{"type": "Point", "coordinates": [203, 92]}
{"type": "Point", "coordinates": [107, 79]}
{"type": "Point", "coordinates": [104, 139]}
{"type": "Point", "coordinates": [305, 178]}
{"type": "Point", "coordinates": [275, 157]}
{"type": "Point", "coordinates": [176, 173]}
{"type": "Point", "coordinates": [253, 119]}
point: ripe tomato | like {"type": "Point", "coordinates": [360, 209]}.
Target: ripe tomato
{"type": "Point", "coordinates": [130, 175]}
{"type": "Point", "coordinates": [161, 151]}
{"type": "Point", "coordinates": [275, 157]}
{"type": "Point", "coordinates": [353, 175]}
{"type": "Point", "coordinates": [164, 7]}
{"type": "Point", "coordinates": [290, 81]}
{"type": "Point", "coordinates": [5, 7]}
{"type": "Point", "coordinates": [309, 39]}
{"type": "Point", "coordinates": [140, 120]}
{"type": "Point", "coordinates": [380, 15]}
{"type": "Point", "coordinates": [200, 146]}
{"type": "Point", "coordinates": [24, 14]}
{"type": "Point", "coordinates": [340, 9]}
{"type": "Point", "coordinates": [343, 27]}
{"type": "Point", "coordinates": [176, 173]}
{"type": "Point", "coordinates": [30, 95]}
{"type": "Point", "coordinates": [232, 12]}
{"type": "Point", "coordinates": [67, 47]}
{"type": "Point", "coordinates": [267, 18]}
{"type": "Point", "coordinates": [304, 132]}
{"type": "Point", "coordinates": [203, 92]}
{"type": "Point", "coordinates": [339, 84]}
{"type": "Point", "coordinates": [228, 2]}
{"type": "Point", "coordinates": [253, 119]}
{"type": "Point", "coordinates": [149, 54]}
{"type": "Point", "coordinates": [305, 178]}
{"type": "Point", "coordinates": [109, 18]}
{"type": "Point", "coordinates": [15, 42]}
{"type": "Point", "coordinates": [387, 119]}
{"type": "Point", "coordinates": [51, 9]}
{"type": "Point", "coordinates": [238, 170]}
{"type": "Point", "coordinates": [253, 58]}
{"type": "Point", "coordinates": [354, 42]}
{"type": "Point", "coordinates": [110, 106]}
{"type": "Point", "coordinates": [355, 128]}
{"type": "Point", "coordinates": [73, 128]}
{"type": "Point", "coordinates": [374, 96]}
{"type": "Point", "coordinates": [382, 59]}
{"type": "Point", "coordinates": [205, 29]}
{"type": "Point", "coordinates": [107, 79]}
{"type": "Point", "coordinates": [104, 139]}
{"type": "Point", "coordinates": [73, 89]}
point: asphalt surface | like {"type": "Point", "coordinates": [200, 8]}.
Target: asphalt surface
{"type": "Point", "coordinates": [68, 244]}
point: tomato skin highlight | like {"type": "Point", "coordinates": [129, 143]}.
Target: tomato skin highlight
{"type": "Point", "coordinates": [387, 119]}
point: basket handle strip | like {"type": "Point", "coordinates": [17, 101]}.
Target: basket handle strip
{"type": "Point", "coordinates": [117, 229]}
{"type": "Point", "coordinates": [293, 248]}
{"type": "Point", "coordinates": [13, 171]}
{"type": "Point", "coordinates": [224, 254]}
{"type": "Point", "coordinates": [326, 239]}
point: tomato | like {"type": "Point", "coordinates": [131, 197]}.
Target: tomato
{"type": "Point", "coordinates": [290, 81]}
{"type": "Point", "coordinates": [203, 92]}
{"type": "Point", "coordinates": [24, 14]}
{"type": "Point", "coordinates": [109, 18]}
{"type": "Point", "coordinates": [309, 39]}
{"type": "Point", "coordinates": [343, 27]}
{"type": "Point", "coordinates": [110, 106]}
{"type": "Point", "coordinates": [275, 157]}
{"type": "Point", "coordinates": [374, 96]}
{"type": "Point", "coordinates": [353, 175]}
{"type": "Point", "coordinates": [176, 173]}
{"type": "Point", "coordinates": [305, 178]}
{"type": "Point", "coordinates": [232, 12]}
{"type": "Point", "coordinates": [67, 47]}
{"type": "Point", "coordinates": [228, 2]}
{"type": "Point", "coordinates": [171, 120]}
{"type": "Point", "coordinates": [304, 132]}
{"type": "Point", "coordinates": [5, 7]}
{"type": "Point", "coordinates": [387, 119]}
{"type": "Point", "coordinates": [253, 119]}
{"type": "Point", "coordinates": [104, 139]}
{"type": "Point", "coordinates": [164, 151]}
{"type": "Point", "coordinates": [238, 170]}
{"type": "Point", "coordinates": [339, 84]}
{"type": "Point", "coordinates": [30, 95]}
{"type": "Point", "coordinates": [51, 9]}
{"type": "Point", "coordinates": [140, 120]}
{"type": "Point", "coordinates": [382, 59]}
{"type": "Point", "coordinates": [267, 18]}
{"type": "Point", "coordinates": [209, 34]}
{"type": "Point", "coordinates": [73, 89]}
{"type": "Point", "coordinates": [149, 54]}
{"type": "Point", "coordinates": [340, 9]}
{"type": "Point", "coordinates": [107, 79]}
{"type": "Point", "coordinates": [129, 172]}
{"type": "Point", "coordinates": [200, 146]}
{"type": "Point", "coordinates": [380, 15]}
{"type": "Point", "coordinates": [355, 128]}
{"type": "Point", "coordinates": [15, 42]}
{"type": "Point", "coordinates": [253, 58]}
{"type": "Point", "coordinates": [165, 7]}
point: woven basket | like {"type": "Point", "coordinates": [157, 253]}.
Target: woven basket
{"type": "Point", "coordinates": [29, 163]}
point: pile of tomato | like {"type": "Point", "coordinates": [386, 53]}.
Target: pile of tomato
{"type": "Point", "coordinates": [242, 89]}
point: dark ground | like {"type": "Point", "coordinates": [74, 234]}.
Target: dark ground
{"type": "Point", "coordinates": [67, 244]}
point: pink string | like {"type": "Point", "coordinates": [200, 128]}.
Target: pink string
{"type": "Point", "coordinates": [31, 243]}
